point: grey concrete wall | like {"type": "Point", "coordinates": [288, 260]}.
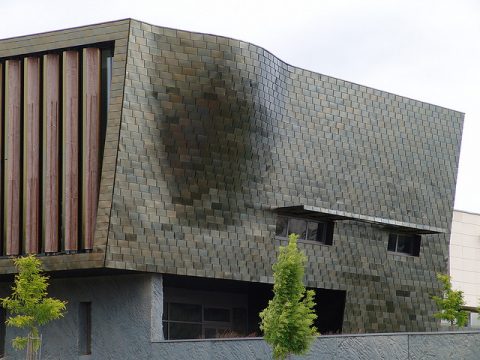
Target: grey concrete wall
{"type": "Point", "coordinates": [126, 324]}
{"type": "Point", "coordinates": [216, 132]}
{"type": "Point", "coordinates": [121, 318]}
{"type": "Point", "coordinates": [438, 346]}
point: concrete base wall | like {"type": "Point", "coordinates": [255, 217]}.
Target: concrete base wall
{"type": "Point", "coordinates": [403, 346]}
{"type": "Point", "coordinates": [127, 324]}
{"type": "Point", "coordinates": [121, 318]}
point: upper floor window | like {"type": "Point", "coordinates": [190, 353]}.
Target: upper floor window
{"type": "Point", "coordinates": [306, 229]}
{"type": "Point", "coordinates": [404, 243]}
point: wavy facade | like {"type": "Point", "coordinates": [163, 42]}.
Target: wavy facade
{"type": "Point", "coordinates": [188, 156]}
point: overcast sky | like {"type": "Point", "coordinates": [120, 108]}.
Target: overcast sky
{"type": "Point", "coordinates": [424, 49]}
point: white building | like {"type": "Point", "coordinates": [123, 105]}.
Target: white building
{"type": "Point", "coordinates": [465, 258]}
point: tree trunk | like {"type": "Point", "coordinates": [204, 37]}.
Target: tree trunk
{"type": "Point", "coordinates": [34, 345]}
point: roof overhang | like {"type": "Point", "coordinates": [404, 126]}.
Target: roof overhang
{"type": "Point", "coordinates": [336, 215]}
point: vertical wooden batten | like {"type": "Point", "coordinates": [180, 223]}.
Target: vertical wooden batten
{"type": "Point", "coordinates": [90, 142]}
{"type": "Point", "coordinates": [13, 98]}
{"type": "Point", "coordinates": [31, 155]}
{"type": "Point", "coordinates": [51, 107]}
{"type": "Point", "coordinates": [70, 140]}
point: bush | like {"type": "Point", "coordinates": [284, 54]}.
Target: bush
{"type": "Point", "coordinates": [450, 304]}
{"type": "Point", "coordinates": [29, 304]}
{"type": "Point", "coordinates": [287, 322]}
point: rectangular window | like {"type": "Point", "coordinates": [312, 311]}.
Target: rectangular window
{"type": "Point", "coordinates": [215, 314]}
{"type": "Point", "coordinates": [404, 243]}
{"type": "Point", "coordinates": [297, 226]}
{"type": "Point", "coordinates": [179, 330]}
{"type": "Point", "coordinates": [312, 230]}
{"type": "Point", "coordinates": [185, 312]}
{"type": "Point", "coordinates": [282, 226]}
{"type": "Point", "coordinates": [239, 321]}
{"type": "Point", "coordinates": [197, 321]}
{"type": "Point", "coordinates": [85, 328]}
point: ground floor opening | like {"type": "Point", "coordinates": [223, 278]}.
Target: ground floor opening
{"type": "Point", "coordinates": [195, 308]}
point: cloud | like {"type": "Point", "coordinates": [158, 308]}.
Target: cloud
{"type": "Point", "coordinates": [428, 50]}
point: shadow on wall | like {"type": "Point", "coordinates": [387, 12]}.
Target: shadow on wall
{"type": "Point", "coordinates": [216, 142]}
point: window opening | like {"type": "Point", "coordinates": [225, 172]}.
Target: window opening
{"type": "Point", "coordinates": [85, 328]}
{"type": "Point", "coordinates": [404, 243]}
{"type": "Point", "coordinates": [307, 229]}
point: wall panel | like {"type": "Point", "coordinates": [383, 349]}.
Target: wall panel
{"type": "Point", "coordinates": [51, 93]}
{"type": "Point", "coordinates": [90, 142]}
{"type": "Point", "coordinates": [51, 148]}
{"type": "Point", "coordinates": [13, 97]}
{"type": "Point", "coordinates": [203, 157]}
{"type": "Point", "coordinates": [112, 38]}
{"type": "Point", "coordinates": [70, 141]}
{"type": "Point", "coordinates": [31, 155]}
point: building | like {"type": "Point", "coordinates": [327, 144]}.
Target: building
{"type": "Point", "coordinates": [465, 260]}
{"type": "Point", "coordinates": [157, 171]}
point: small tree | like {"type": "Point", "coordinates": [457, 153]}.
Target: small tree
{"type": "Point", "coordinates": [450, 304]}
{"type": "Point", "coordinates": [29, 305]}
{"type": "Point", "coordinates": [287, 322]}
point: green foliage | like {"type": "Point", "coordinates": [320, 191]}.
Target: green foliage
{"type": "Point", "coordinates": [287, 322]}
{"type": "Point", "coordinates": [29, 305]}
{"type": "Point", "coordinates": [450, 303]}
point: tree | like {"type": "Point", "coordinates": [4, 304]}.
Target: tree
{"type": "Point", "coordinates": [287, 322]}
{"type": "Point", "coordinates": [29, 305]}
{"type": "Point", "coordinates": [450, 304]}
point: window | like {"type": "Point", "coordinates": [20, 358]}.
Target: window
{"type": "Point", "coordinates": [404, 243]}
{"type": "Point", "coordinates": [312, 230]}
{"type": "Point", "coordinates": [85, 328]}
{"type": "Point", "coordinates": [473, 320]}
{"type": "Point", "coordinates": [197, 321]}
{"type": "Point", "coordinates": [199, 314]}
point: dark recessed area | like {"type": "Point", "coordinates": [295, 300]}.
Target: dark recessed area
{"type": "Point", "coordinates": [330, 304]}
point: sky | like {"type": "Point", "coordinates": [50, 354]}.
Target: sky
{"type": "Point", "coordinates": [423, 49]}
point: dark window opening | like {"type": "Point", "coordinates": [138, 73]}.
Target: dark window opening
{"type": "Point", "coordinates": [85, 328]}
{"type": "Point", "coordinates": [306, 229]}
{"type": "Point", "coordinates": [207, 308]}
{"type": "Point", "coordinates": [212, 314]}
{"type": "Point", "coordinates": [404, 243]}
{"type": "Point", "coordinates": [204, 315]}
{"type": "Point", "coordinates": [329, 307]}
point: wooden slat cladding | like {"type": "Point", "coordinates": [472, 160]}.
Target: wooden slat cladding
{"type": "Point", "coordinates": [50, 151]}
{"type": "Point", "coordinates": [70, 143]}
{"type": "Point", "coordinates": [13, 99]}
{"type": "Point", "coordinates": [31, 155]}
{"type": "Point", "coordinates": [90, 142]}
{"type": "Point", "coordinates": [50, 134]}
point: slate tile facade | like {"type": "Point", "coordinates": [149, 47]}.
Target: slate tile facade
{"type": "Point", "coordinates": [207, 136]}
